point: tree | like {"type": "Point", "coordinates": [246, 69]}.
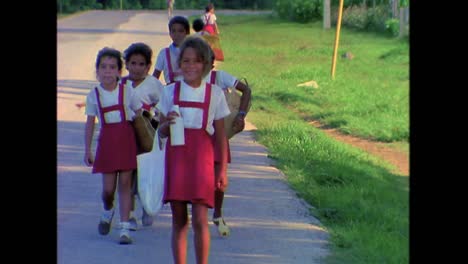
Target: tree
{"type": "Point", "coordinates": [326, 14]}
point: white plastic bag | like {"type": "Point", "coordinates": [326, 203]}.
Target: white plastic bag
{"type": "Point", "coordinates": [151, 168]}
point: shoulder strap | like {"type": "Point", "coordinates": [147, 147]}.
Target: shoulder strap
{"type": "Point", "coordinates": [213, 77]}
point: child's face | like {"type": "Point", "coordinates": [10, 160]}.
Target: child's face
{"type": "Point", "coordinates": [137, 67]}
{"type": "Point", "coordinates": [177, 33]}
{"type": "Point", "coordinates": [108, 70]}
{"type": "Point", "coordinates": [191, 66]}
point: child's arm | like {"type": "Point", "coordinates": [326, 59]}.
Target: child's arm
{"type": "Point", "coordinates": [156, 73]}
{"type": "Point", "coordinates": [159, 66]}
{"type": "Point", "coordinates": [221, 180]}
{"type": "Point", "coordinates": [89, 131]}
{"type": "Point", "coordinates": [239, 123]}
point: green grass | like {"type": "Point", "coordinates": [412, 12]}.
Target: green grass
{"type": "Point", "coordinates": [356, 196]}
{"type": "Point", "coordinates": [369, 96]}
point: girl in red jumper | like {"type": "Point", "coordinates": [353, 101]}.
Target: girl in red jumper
{"type": "Point", "coordinates": [190, 177]}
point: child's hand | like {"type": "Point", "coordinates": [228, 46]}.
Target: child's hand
{"type": "Point", "coordinates": [89, 159]}
{"type": "Point", "coordinates": [168, 120]}
{"type": "Point", "coordinates": [221, 182]}
{"type": "Point", "coordinates": [171, 116]}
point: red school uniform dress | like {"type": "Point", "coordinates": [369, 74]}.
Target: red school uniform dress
{"type": "Point", "coordinates": [190, 168]}
{"type": "Point", "coordinates": [116, 147]}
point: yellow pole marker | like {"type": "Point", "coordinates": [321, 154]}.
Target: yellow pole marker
{"type": "Point", "coordinates": [337, 39]}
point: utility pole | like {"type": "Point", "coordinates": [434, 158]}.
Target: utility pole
{"type": "Point", "coordinates": [120, 5]}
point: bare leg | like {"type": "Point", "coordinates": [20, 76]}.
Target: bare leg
{"type": "Point", "coordinates": [218, 206]}
{"type": "Point", "coordinates": [179, 231]}
{"type": "Point", "coordinates": [108, 189]}
{"type": "Point", "coordinates": [125, 195]}
{"type": "Point", "coordinates": [134, 189]}
{"type": "Point", "coordinates": [219, 197]}
{"type": "Point", "coordinates": [201, 230]}
{"type": "Point", "coordinates": [218, 220]}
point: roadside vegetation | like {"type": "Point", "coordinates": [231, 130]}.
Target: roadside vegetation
{"type": "Point", "coordinates": [363, 205]}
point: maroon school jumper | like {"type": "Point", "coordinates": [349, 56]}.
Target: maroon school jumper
{"type": "Point", "coordinates": [217, 154]}
{"type": "Point", "coordinates": [189, 168]}
{"type": "Point", "coordinates": [116, 147]}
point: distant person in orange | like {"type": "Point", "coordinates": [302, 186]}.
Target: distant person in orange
{"type": "Point", "coordinates": [170, 8]}
{"type": "Point", "coordinates": [209, 19]}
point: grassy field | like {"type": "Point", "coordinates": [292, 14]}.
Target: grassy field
{"type": "Point", "coordinates": [357, 198]}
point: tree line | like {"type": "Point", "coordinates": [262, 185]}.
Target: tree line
{"type": "Point", "coordinates": [71, 6]}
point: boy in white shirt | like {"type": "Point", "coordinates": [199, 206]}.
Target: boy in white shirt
{"type": "Point", "coordinates": [166, 61]}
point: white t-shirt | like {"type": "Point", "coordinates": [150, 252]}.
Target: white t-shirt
{"type": "Point", "coordinates": [223, 79]}
{"type": "Point", "coordinates": [109, 98]}
{"type": "Point", "coordinates": [193, 117]}
{"type": "Point", "coordinates": [148, 91]}
{"type": "Point", "coordinates": [162, 64]}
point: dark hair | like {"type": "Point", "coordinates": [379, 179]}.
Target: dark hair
{"type": "Point", "coordinates": [180, 20]}
{"type": "Point", "coordinates": [109, 52]}
{"type": "Point", "coordinates": [209, 6]}
{"type": "Point", "coordinates": [139, 48]}
{"type": "Point", "coordinates": [202, 49]}
{"type": "Point", "coordinates": [198, 25]}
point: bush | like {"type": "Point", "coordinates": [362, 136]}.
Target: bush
{"type": "Point", "coordinates": [376, 18]}
{"type": "Point", "coordinates": [392, 26]}
{"type": "Point", "coordinates": [298, 10]}
{"type": "Point", "coordinates": [355, 17]}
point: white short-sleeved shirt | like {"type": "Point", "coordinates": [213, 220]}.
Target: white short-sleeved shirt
{"type": "Point", "coordinates": [193, 117]}
{"type": "Point", "coordinates": [109, 98]}
{"type": "Point", "coordinates": [162, 64]}
{"type": "Point", "coordinates": [223, 79]}
{"type": "Point", "coordinates": [211, 18]}
{"type": "Point", "coordinates": [148, 91]}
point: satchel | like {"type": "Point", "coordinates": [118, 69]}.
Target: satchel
{"type": "Point", "coordinates": [233, 99]}
{"type": "Point", "coordinates": [144, 131]}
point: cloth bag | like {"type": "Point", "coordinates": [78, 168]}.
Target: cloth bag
{"type": "Point", "coordinates": [144, 131]}
{"type": "Point", "coordinates": [150, 173]}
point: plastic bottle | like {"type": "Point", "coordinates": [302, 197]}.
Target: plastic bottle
{"type": "Point", "coordinates": [177, 129]}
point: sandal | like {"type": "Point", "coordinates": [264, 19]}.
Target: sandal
{"type": "Point", "coordinates": [223, 229]}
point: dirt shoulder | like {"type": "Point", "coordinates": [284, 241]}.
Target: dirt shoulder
{"type": "Point", "coordinates": [389, 152]}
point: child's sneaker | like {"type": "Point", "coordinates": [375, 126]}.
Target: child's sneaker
{"type": "Point", "coordinates": [105, 221]}
{"type": "Point", "coordinates": [146, 219]}
{"type": "Point", "coordinates": [125, 233]}
{"type": "Point", "coordinates": [133, 223]}
{"type": "Point", "coordinates": [223, 229]}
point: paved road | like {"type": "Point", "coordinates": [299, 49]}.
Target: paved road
{"type": "Point", "coordinates": [269, 223]}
